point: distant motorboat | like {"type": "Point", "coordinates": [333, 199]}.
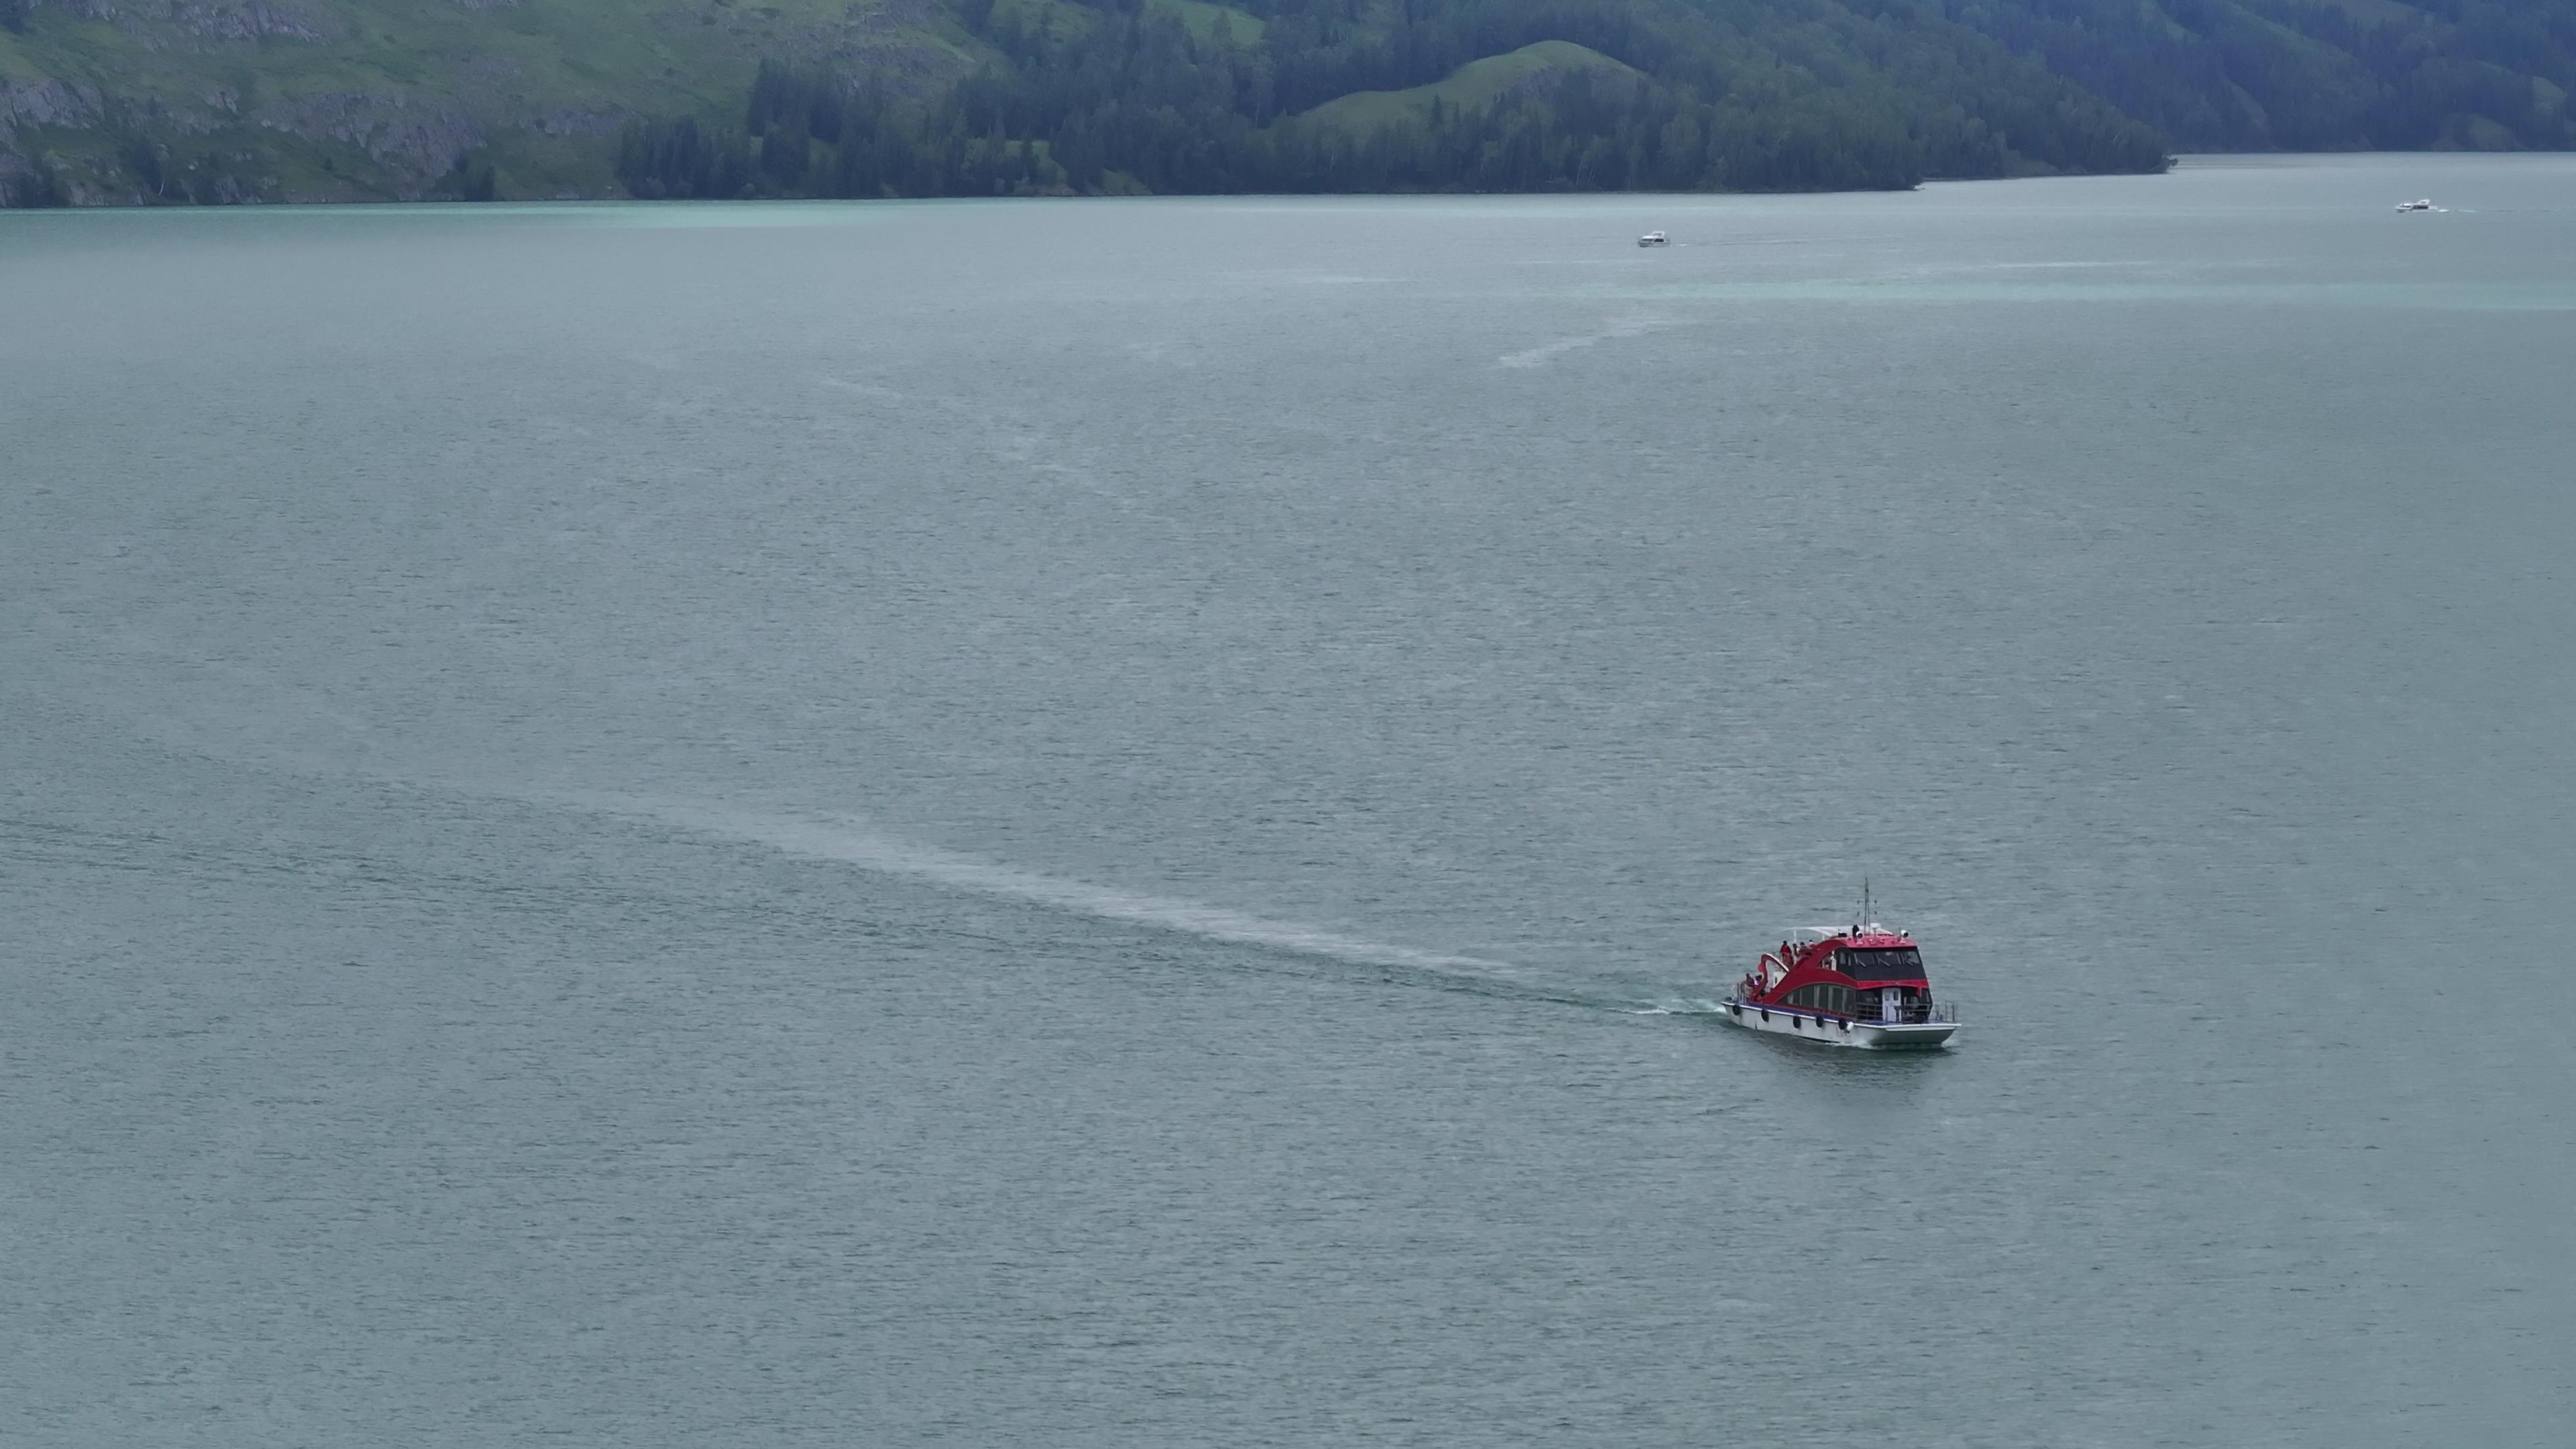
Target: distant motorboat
{"type": "Point", "coordinates": [2420, 205]}
{"type": "Point", "coordinates": [1654, 239]}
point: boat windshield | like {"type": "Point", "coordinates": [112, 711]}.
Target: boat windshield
{"type": "Point", "coordinates": [1886, 963]}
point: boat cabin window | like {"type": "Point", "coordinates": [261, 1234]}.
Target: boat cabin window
{"type": "Point", "coordinates": [1885, 963]}
{"type": "Point", "coordinates": [1823, 996]}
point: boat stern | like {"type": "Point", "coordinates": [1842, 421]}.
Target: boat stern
{"type": "Point", "coordinates": [1911, 1036]}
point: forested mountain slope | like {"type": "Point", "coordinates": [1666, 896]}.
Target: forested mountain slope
{"type": "Point", "coordinates": [2305, 75]}
{"type": "Point", "coordinates": [158, 101]}
{"type": "Point", "coordinates": [229, 100]}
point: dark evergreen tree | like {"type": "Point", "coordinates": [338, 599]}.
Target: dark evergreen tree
{"type": "Point", "coordinates": [677, 159]}
{"type": "Point", "coordinates": [1133, 97]}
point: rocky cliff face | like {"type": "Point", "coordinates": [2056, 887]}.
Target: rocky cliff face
{"type": "Point", "coordinates": [415, 142]}
{"type": "Point", "coordinates": [47, 103]}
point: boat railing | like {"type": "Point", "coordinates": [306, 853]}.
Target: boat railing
{"type": "Point", "coordinates": [1912, 1013]}
{"type": "Point", "coordinates": [1922, 1011]}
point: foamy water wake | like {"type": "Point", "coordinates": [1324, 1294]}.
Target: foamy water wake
{"type": "Point", "coordinates": [859, 844]}
{"type": "Point", "coordinates": [1545, 351]}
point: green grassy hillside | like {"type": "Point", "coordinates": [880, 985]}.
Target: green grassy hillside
{"type": "Point", "coordinates": [1475, 86]}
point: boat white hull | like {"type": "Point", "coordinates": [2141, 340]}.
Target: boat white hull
{"type": "Point", "coordinates": [1840, 1031]}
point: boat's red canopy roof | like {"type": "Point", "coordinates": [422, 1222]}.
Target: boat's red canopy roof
{"type": "Point", "coordinates": [1814, 959]}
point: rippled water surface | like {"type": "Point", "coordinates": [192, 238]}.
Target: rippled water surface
{"type": "Point", "coordinates": [1102, 824]}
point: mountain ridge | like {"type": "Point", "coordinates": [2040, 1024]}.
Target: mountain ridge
{"type": "Point", "coordinates": [162, 101]}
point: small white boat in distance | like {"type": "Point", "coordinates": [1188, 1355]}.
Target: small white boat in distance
{"type": "Point", "coordinates": [2422, 205]}
{"type": "Point", "coordinates": [1654, 239]}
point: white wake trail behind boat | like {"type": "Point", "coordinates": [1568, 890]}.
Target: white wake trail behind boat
{"type": "Point", "coordinates": [859, 844]}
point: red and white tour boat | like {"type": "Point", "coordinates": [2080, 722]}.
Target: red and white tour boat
{"type": "Point", "coordinates": [1863, 987]}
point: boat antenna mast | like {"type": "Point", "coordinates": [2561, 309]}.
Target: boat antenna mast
{"type": "Point", "coordinates": [1864, 903]}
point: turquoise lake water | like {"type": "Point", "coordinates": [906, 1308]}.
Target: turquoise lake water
{"type": "Point", "coordinates": [1113, 823]}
